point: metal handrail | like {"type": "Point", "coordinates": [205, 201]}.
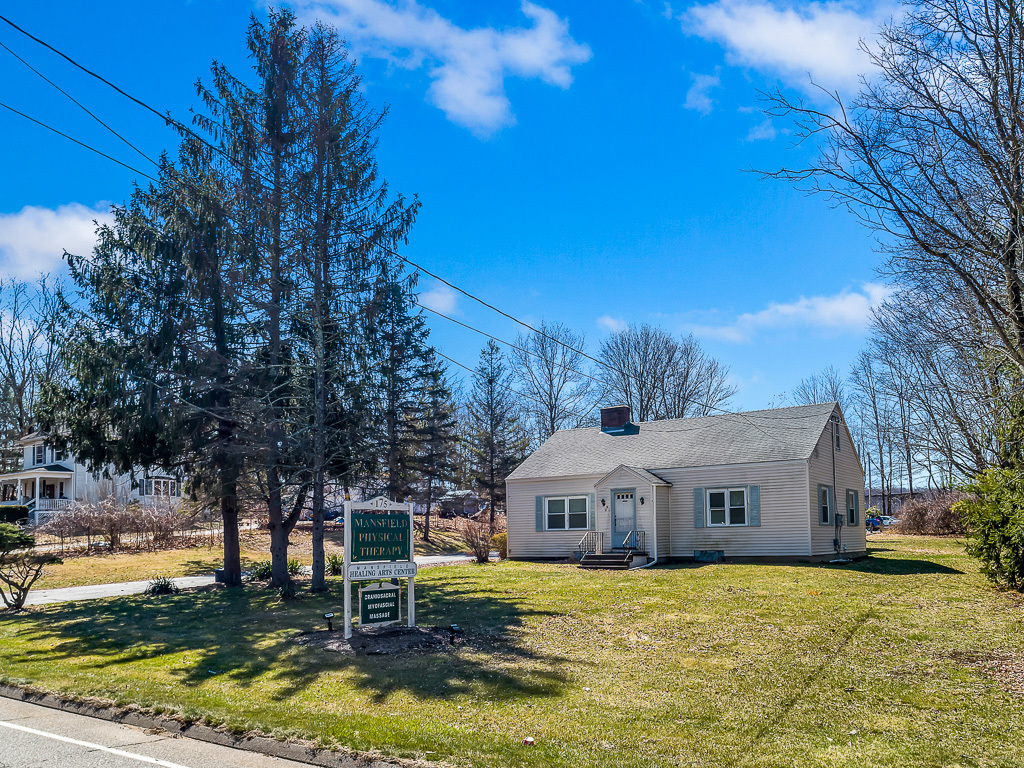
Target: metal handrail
{"type": "Point", "coordinates": [635, 541]}
{"type": "Point", "coordinates": [592, 542]}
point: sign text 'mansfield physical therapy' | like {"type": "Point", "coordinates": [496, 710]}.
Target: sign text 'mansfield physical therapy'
{"type": "Point", "coordinates": [380, 536]}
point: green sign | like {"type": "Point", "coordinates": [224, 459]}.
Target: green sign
{"type": "Point", "coordinates": [380, 537]}
{"type": "Point", "coordinates": [378, 606]}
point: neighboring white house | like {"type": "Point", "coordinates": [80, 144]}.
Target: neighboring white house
{"type": "Point", "coordinates": [50, 481]}
{"type": "Point", "coordinates": [783, 483]}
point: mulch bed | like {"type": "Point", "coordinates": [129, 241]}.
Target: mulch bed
{"type": "Point", "coordinates": [383, 641]}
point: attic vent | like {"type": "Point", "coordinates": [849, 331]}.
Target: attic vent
{"type": "Point", "coordinates": [615, 421]}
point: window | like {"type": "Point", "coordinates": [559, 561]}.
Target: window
{"type": "Point", "coordinates": [825, 504]}
{"type": "Point", "coordinates": [851, 507]}
{"type": "Point", "coordinates": [160, 488]}
{"type": "Point", "coordinates": [837, 433]}
{"type": "Point", "coordinates": [727, 506]}
{"type": "Point", "coordinates": [566, 513]}
{"type": "Point", "coordinates": [39, 455]}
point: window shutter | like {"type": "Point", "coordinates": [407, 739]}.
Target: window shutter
{"type": "Point", "coordinates": [856, 507]}
{"type": "Point", "coordinates": [591, 513]}
{"type": "Point", "coordinates": [698, 507]}
{"type": "Point", "coordinates": [754, 504]}
{"type": "Point", "coordinates": [540, 513]}
{"type": "Point", "coordinates": [831, 504]}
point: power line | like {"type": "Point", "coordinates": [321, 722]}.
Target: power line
{"type": "Point", "coordinates": [79, 104]}
{"type": "Point", "coordinates": [79, 143]}
{"type": "Point", "coordinates": [516, 392]}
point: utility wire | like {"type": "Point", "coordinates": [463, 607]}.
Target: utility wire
{"type": "Point", "coordinates": [80, 105]}
{"type": "Point", "coordinates": [79, 143]}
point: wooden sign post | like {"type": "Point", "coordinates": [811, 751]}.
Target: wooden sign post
{"type": "Point", "coordinates": [379, 545]}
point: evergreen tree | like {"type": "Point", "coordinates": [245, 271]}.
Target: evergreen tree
{"type": "Point", "coordinates": [437, 433]}
{"type": "Point", "coordinates": [497, 439]}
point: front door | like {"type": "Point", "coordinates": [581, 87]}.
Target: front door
{"type": "Point", "coordinates": [623, 516]}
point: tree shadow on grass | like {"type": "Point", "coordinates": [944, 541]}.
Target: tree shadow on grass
{"type": "Point", "coordinates": [250, 637]}
{"type": "Point", "coordinates": [894, 566]}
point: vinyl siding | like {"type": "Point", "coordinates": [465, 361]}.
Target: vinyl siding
{"type": "Point", "coordinates": [848, 476]}
{"type": "Point", "coordinates": [524, 541]}
{"type": "Point", "coordinates": [663, 494]}
{"type": "Point", "coordinates": [783, 531]}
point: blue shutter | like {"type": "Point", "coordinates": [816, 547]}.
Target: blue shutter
{"type": "Point", "coordinates": [698, 507]}
{"type": "Point", "coordinates": [540, 513]}
{"type": "Point", "coordinates": [831, 504]}
{"type": "Point", "coordinates": [856, 507]}
{"type": "Point", "coordinates": [591, 513]}
{"type": "Point", "coordinates": [754, 504]}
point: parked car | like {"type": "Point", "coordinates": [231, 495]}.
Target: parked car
{"type": "Point", "coordinates": [888, 520]}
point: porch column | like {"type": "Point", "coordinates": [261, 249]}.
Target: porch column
{"type": "Point", "coordinates": [18, 497]}
{"type": "Point", "coordinates": [39, 482]}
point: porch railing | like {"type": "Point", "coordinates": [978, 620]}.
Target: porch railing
{"type": "Point", "coordinates": [592, 543]}
{"type": "Point", "coordinates": [635, 541]}
{"type": "Point", "coordinates": [53, 505]}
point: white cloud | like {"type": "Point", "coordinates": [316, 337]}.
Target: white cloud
{"type": "Point", "coordinates": [441, 298]}
{"type": "Point", "coordinates": [612, 324]}
{"type": "Point", "coordinates": [699, 96]}
{"type": "Point", "coordinates": [33, 240]}
{"type": "Point", "coordinates": [467, 67]}
{"type": "Point", "coordinates": [820, 39]}
{"type": "Point", "coordinates": [762, 131]}
{"type": "Point", "coordinates": [845, 311]}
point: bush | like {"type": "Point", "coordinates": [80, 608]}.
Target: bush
{"type": "Point", "coordinates": [499, 541]}
{"type": "Point", "coordinates": [936, 516]}
{"type": "Point", "coordinates": [20, 565]}
{"type": "Point", "coordinates": [288, 591]}
{"type": "Point", "coordinates": [294, 567]}
{"type": "Point", "coordinates": [13, 513]}
{"type": "Point", "coordinates": [993, 514]}
{"type": "Point", "coordinates": [261, 570]}
{"type": "Point", "coordinates": [335, 565]}
{"type": "Point", "coordinates": [477, 535]}
{"type": "Point", "coordinates": [162, 585]}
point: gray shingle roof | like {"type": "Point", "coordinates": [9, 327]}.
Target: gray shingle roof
{"type": "Point", "coordinates": [742, 438]}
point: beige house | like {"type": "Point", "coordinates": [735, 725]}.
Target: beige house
{"type": "Point", "coordinates": [50, 482]}
{"type": "Point", "coordinates": [783, 483]}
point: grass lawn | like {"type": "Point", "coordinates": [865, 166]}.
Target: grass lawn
{"type": "Point", "coordinates": [885, 662]}
{"type": "Point", "coordinates": [98, 568]}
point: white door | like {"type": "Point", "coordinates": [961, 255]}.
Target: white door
{"type": "Point", "coordinates": [623, 516]}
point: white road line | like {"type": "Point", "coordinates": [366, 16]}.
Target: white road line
{"type": "Point", "coordinates": [90, 745]}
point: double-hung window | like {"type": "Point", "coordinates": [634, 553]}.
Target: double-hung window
{"type": "Point", "coordinates": [39, 456]}
{"type": "Point", "coordinates": [160, 487]}
{"type": "Point", "coordinates": [825, 504]}
{"type": "Point", "coordinates": [851, 508]}
{"type": "Point", "coordinates": [566, 513]}
{"type": "Point", "coordinates": [727, 506]}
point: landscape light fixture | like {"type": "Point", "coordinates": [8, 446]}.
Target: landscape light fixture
{"type": "Point", "coordinates": [455, 630]}
{"type": "Point", "coordinates": [330, 626]}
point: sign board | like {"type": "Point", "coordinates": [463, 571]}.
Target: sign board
{"type": "Point", "coordinates": [379, 545]}
{"type": "Point", "coordinates": [374, 571]}
{"type": "Point", "coordinates": [380, 536]}
{"type": "Point", "coordinates": [379, 605]}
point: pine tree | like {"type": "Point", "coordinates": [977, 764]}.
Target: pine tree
{"type": "Point", "coordinates": [437, 434]}
{"type": "Point", "coordinates": [498, 441]}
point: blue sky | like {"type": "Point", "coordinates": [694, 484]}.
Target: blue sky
{"type": "Point", "coordinates": [582, 162]}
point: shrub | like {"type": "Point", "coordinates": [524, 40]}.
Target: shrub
{"type": "Point", "coordinates": [13, 513]}
{"type": "Point", "coordinates": [993, 514]}
{"type": "Point", "coordinates": [335, 565]}
{"type": "Point", "coordinates": [261, 570]}
{"type": "Point", "coordinates": [162, 585]}
{"type": "Point", "coordinates": [287, 591]}
{"type": "Point", "coordinates": [477, 534]}
{"type": "Point", "coordinates": [20, 566]}
{"type": "Point", "coordinates": [499, 541]}
{"type": "Point", "coordinates": [294, 567]}
{"type": "Point", "coordinates": [936, 516]}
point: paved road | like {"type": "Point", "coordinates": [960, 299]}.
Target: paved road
{"type": "Point", "coordinates": [32, 736]}
{"type": "Point", "coordinates": [93, 591]}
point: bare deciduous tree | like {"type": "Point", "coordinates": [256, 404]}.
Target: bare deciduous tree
{"type": "Point", "coordinates": [660, 377]}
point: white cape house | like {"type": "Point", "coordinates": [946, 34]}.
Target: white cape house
{"type": "Point", "coordinates": [780, 484]}
{"type": "Point", "coordinates": [50, 482]}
